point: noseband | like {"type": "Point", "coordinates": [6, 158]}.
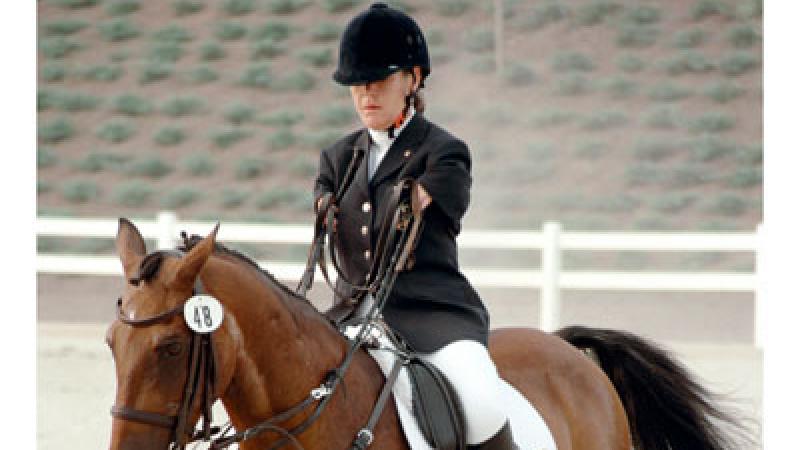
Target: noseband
{"type": "Point", "coordinates": [201, 361]}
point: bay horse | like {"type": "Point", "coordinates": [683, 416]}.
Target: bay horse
{"type": "Point", "coordinates": [274, 347]}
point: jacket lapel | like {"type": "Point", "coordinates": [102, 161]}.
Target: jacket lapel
{"type": "Point", "coordinates": [395, 158]}
{"type": "Point", "coordinates": [361, 177]}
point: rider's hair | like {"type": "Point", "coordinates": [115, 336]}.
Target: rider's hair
{"type": "Point", "coordinates": [417, 98]}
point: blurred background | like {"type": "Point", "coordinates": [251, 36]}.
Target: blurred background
{"type": "Point", "coordinates": [603, 115]}
{"type": "Point", "coordinates": [607, 115]}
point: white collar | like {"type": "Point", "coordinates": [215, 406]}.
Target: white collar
{"type": "Point", "coordinates": [381, 137]}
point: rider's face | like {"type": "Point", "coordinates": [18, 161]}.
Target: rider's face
{"type": "Point", "coordinates": [379, 103]}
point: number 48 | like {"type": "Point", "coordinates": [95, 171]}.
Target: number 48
{"type": "Point", "coordinates": [206, 316]}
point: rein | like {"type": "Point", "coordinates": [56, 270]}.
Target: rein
{"type": "Point", "coordinates": [326, 213]}
{"type": "Point", "coordinates": [400, 218]}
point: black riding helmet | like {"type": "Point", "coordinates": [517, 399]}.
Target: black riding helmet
{"type": "Point", "coordinates": [379, 42]}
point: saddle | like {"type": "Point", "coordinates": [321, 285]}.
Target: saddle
{"type": "Point", "coordinates": [434, 403]}
{"type": "Point", "coordinates": [436, 407]}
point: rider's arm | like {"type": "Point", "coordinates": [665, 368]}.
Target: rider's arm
{"type": "Point", "coordinates": [325, 179]}
{"type": "Point", "coordinates": [447, 178]}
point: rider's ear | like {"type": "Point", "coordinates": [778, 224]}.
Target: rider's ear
{"type": "Point", "coordinates": [130, 247]}
{"type": "Point", "coordinates": [191, 264]}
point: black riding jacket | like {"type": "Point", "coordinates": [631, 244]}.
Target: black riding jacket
{"type": "Point", "coordinates": [432, 304]}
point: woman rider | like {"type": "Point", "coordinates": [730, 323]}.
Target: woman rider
{"type": "Point", "coordinates": [383, 58]}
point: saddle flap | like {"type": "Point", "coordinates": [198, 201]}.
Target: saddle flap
{"type": "Point", "coordinates": [436, 407]}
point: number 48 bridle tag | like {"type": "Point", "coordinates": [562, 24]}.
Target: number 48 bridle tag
{"type": "Point", "coordinates": [203, 313]}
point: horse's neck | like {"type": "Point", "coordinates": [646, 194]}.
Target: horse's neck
{"type": "Point", "coordinates": [283, 349]}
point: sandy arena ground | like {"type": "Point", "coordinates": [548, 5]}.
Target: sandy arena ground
{"type": "Point", "coordinates": [75, 376]}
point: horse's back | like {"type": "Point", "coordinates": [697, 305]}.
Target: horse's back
{"type": "Point", "coordinates": [569, 390]}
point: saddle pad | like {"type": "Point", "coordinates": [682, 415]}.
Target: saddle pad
{"type": "Point", "coordinates": [530, 430]}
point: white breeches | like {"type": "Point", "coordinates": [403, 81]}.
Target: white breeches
{"type": "Point", "coordinates": [474, 377]}
{"type": "Point", "coordinates": [471, 372]}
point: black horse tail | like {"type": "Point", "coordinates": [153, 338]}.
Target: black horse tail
{"type": "Point", "coordinates": [667, 409]}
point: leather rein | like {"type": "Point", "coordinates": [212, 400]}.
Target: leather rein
{"type": "Point", "coordinates": [399, 217]}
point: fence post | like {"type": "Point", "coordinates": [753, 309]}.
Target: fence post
{"type": "Point", "coordinates": [759, 298]}
{"type": "Point", "coordinates": [550, 298]}
{"type": "Point", "coordinates": [167, 223]}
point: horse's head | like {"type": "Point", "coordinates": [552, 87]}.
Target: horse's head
{"type": "Point", "coordinates": [154, 350]}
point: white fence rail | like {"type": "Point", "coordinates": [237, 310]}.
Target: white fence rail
{"type": "Point", "coordinates": [551, 241]}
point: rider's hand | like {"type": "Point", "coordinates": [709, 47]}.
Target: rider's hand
{"type": "Point", "coordinates": [325, 221]}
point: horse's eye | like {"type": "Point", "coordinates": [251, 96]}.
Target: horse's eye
{"type": "Point", "coordinates": [171, 348]}
{"type": "Point", "coordinates": [174, 348]}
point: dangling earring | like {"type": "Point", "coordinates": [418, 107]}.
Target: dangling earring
{"type": "Point", "coordinates": [398, 121]}
{"type": "Point", "coordinates": [402, 117]}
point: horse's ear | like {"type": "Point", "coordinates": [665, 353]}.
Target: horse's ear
{"type": "Point", "coordinates": [191, 264]}
{"type": "Point", "coordinates": [130, 247]}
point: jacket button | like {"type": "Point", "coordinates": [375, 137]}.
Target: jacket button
{"type": "Point", "coordinates": [364, 230]}
{"type": "Point", "coordinates": [407, 153]}
{"type": "Point", "coordinates": [366, 254]}
{"type": "Point", "coordinates": [366, 207]}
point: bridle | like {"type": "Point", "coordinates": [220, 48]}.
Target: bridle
{"type": "Point", "coordinates": [201, 365]}
{"type": "Point", "coordinates": [201, 361]}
